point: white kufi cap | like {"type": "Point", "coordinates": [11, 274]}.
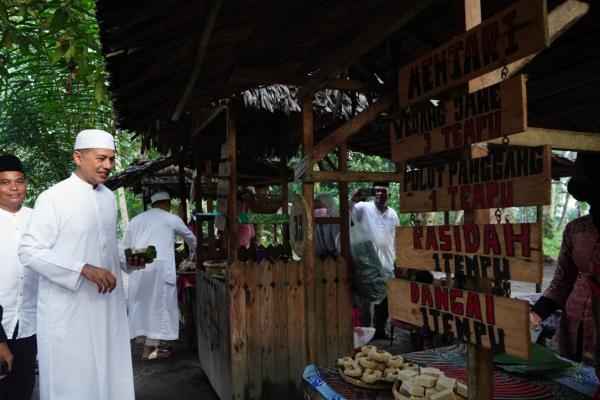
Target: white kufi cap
{"type": "Point", "coordinates": [94, 139]}
{"type": "Point", "coordinates": [159, 196]}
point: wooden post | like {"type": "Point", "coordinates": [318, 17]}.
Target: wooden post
{"type": "Point", "coordinates": [232, 199]}
{"type": "Point", "coordinates": [540, 221]}
{"type": "Point", "coordinates": [283, 141]}
{"type": "Point", "coordinates": [479, 359]}
{"type": "Point", "coordinates": [309, 253]}
{"type": "Point", "coordinates": [344, 208]}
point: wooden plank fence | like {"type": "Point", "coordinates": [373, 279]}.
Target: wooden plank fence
{"type": "Point", "coordinates": [260, 353]}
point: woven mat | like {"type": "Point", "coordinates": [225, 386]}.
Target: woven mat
{"type": "Point", "coordinates": [452, 360]}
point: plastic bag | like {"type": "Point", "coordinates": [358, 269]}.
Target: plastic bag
{"type": "Point", "coordinates": [370, 275]}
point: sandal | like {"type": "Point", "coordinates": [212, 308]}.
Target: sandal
{"type": "Point", "coordinates": [163, 345]}
{"type": "Point", "coordinates": [156, 353]}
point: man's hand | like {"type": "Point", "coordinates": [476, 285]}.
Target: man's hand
{"type": "Point", "coordinates": [138, 262]}
{"type": "Point", "coordinates": [359, 195]}
{"type": "Point", "coordinates": [5, 357]}
{"type": "Point", "coordinates": [103, 278]}
{"type": "Point", "coordinates": [534, 319]}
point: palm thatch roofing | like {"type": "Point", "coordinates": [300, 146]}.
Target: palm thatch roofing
{"type": "Point", "coordinates": [171, 62]}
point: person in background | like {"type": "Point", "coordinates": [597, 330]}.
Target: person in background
{"type": "Point", "coordinates": [569, 289]}
{"type": "Point", "coordinates": [83, 342]}
{"type": "Point", "coordinates": [326, 234]}
{"type": "Point", "coordinates": [6, 357]}
{"type": "Point", "coordinates": [153, 310]}
{"type": "Point", "coordinates": [379, 222]}
{"type": "Point", "coordinates": [18, 286]}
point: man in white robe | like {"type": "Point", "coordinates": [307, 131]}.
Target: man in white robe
{"type": "Point", "coordinates": [83, 342]}
{"type": "Point", "coordinates": [153, 309]}
{"type": "Point", "coordinates": [18, 285]}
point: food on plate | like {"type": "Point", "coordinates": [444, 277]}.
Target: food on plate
{"type": "Point", "coordinates": [381, 356]}
{"type": "Point", "coordinates": [366, 362]}
{"type": "Point", "coordinates": [412, 389]}
{"type": "Point", "coordinates": [411, 366]}
{"type": "Point", "coordinates": [444, 383]}
{"type": "Point", "coordinates": [354, 370]}
{"type": "Point", "coordinates": [431, 371]}
{"type": "Point", "coordinates": [345, 361]}
{"type": "Point", "coordinates": [147, 253]}
{"type": "Point", "coordinates": [395, 361]}
{"type": "Point", "coordinates": [462, 389]}
{"type": "Point", "coordinates": [391, 374]}
{"type": "Point", "coordinates": [371, 375]}
{"type": "Point", "coordinates": [407, 374]}
{"type": "Point", "coordinates": [447, 394]}
{"type": "Point", "coordinates": [368, 349]}
{"type": "Point", "coordinates": [427, 381]}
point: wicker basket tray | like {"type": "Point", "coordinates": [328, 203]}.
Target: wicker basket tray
{"type": "Point", "coordinates": [264, 203]}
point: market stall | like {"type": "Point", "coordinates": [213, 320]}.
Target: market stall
{"type": "Point", "coordinates": [170, 77]}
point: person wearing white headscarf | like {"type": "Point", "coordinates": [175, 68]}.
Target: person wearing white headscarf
{"type": "Point", "coordinates": [326, 234]}
{"type": "Point", "coordinates": [83, 337]}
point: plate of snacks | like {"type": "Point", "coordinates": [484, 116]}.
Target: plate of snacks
{"type": "Point", "coordinates": [371, 368]}
{"type": "Point", "coordinates": [427, 382]}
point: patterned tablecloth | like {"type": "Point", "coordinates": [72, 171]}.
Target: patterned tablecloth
{"type": "Point", "coordinates": [574, 384]}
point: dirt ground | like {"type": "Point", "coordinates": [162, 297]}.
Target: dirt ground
{"type": "Point", "coordinates": [174, 378]}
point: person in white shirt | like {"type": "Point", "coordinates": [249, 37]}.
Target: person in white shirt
{"type": "Point", "coordinates": [379, 222]}
{"type": "Point", "coordinates": [18, 286]}
{"type": "Point", "coordinates": [152, 300]}
{"type": "Point", "coordinates": [71, 242]}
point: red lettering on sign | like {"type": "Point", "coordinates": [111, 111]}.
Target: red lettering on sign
{"type": "Point", "coordinates": [426, 297]}
{"type": "Point", "coordinates": [489, 309]}
{"type": "Point", "coordinates": [445, 238]}
{"type": "Point", "coordinates": [417, 235]}
{"type": "Point", "coordinates": [524, 238]}
{"type": "Point", "coordinates": [456, 306]}
{"type": "Point", "coordinates": [431, 239]}
{"type": "Point", "coordinates": [490, 240]}
{"type": "Point", "coordinates": [471, 233]}
{"type": "Point", "coordinates": [441, 297]}
{"type": "Point", "coordinates": [473, 306]}
{"type": "Point", "coordinates": [414, 292]}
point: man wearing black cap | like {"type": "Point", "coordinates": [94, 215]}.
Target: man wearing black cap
{"type": "Point", "coordinates": [18, 285]}
{"type": "Point", "coordinates": [379, 222]}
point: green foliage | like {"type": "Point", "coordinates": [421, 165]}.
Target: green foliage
{"type": "Point", "coordinates": [52, 85]}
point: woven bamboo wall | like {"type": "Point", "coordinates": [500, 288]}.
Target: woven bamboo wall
{"type": "Point", "coordinates": [268, 327]}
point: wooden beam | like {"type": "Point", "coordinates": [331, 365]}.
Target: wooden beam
{"type": "Point", "coordinates": [387, 22]}
{"type": "Point", "coordinates": [557, 139]}
{"type": "Point", "coordinates": [559, 20]}
{"type": "Point", "coordinates": [209, 24]}
{"type": "Point", "coordinates": [340, 176]}
{"type": "Point", "coordinates": [349, 128]}
{"type": "Point", "coordinates": [281, 77]}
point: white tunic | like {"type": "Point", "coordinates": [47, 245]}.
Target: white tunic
{"type": "Point", "coordinates": [83, 345]}
{"type": "Point", "coordinates": [381, 228]}
{"type": "Point", "coordinates": [153, 310]}
{"type": "Point", "coordinates": [18, 285]}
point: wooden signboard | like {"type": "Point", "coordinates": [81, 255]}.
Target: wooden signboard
{"type": "Point", "coordinates": [513, 33]}
{"type": "Point", "coordinates": [494, 322]}
{"type": "Point", "coordinates": [489, 113]}
{"type": "Point", "coordinates": [301, 225]}
{"type": "Point", "coordinates": [515, 177]}
{"type": "Point", "coordinates": [499, 251]}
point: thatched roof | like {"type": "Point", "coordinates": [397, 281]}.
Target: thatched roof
{"type": "Point", "coordinates": [171, 62]}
